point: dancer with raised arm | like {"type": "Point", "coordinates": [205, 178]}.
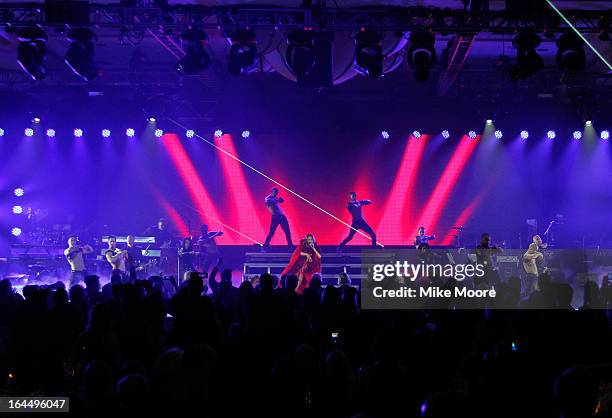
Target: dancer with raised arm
{"type": "Point", "coordinates": [74, 254]}
{"type": "Point", "coordinates": [304, 263]}
{"type": "Point", "coordinates": [354, 207]}
{"type": "Point", "coordinates": [273, 202]}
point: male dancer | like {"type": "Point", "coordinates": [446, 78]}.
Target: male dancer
{"type": "Point", "coordinates": [278, 217]}
{"type": "Point", "coordinates": [133, 257]}
{"type": "Point", "coordinates": [354, 207]}
{"type": "Point", "coordinates": [74, 255]}
{"type": "Point", "coordinates": [115, 257]}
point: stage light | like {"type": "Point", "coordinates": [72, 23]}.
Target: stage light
{"type": "Point", "coordinates": [190, 133]}
{"type": "Point", "coordinates": [106, 133]}
{"type": "Point", "coordinates": [368, 53]}
{"type": "Point", "coordinates": [50, 133]}
{"type": "Point", "coordinates": [570, 53]}
{"type": "Point", "coordinates": [300, 55]}
{"type": "Point", "coordinates": [196, 59]}
{"type": "Point", "coordinates": [152, 120]}
{"type": "Point", "coordinates": [16, 231]}
{"type": "Point", "coordinates": [32, 52]}
{"type": "Point", "coordinates": [416, 134]}
{"type": "Point", "coordinates": [1, 132]}
{"type": "Point", "coordinates": [445, 134]}
{"type": "Point", "coordinates": [489, 121]}
{"type": "Point", "coordinates": [524, 134]}
{"type": "Point", "coordinates": [385, 134]}
{"type": "Point", "coordinates": [246, 134]}
{"type": "Point", "coordinates": [36, 120]}
{"type": "Point", "coordinates": [129, 132]}
{"type": "Point", "coordinates": [528, 62]}
{"type": "Point", "coordinates": [80, 54]}
{"type": "Point", "coordinates": [19, 192]}
{"type": "Point", "coordinates": [78, 133]}
{"type": "Point", "coordinates": [551, 134]}
{"type": "Point", "coordinates": [588, 122]}
{"type": "Point", "coordinates": [577, 134]}
{"type": "Point", "coordinates": [17, 209]}
{"type": "Point", "coordinates": [218, 133]}
{"type": "Point", "coordinates": [243, 52]}
{"type": "Point", "coordinates": [421, 54]}
{"type": "Point", "coordinates": [499, 134]}
{"type": "Point", "coordinates": [472, 134]}
{"type": "Point", "coordinates": [159, 133]}
{"type": "Point", "coordinates": [28, 132]}
{"type": "Point", "coordinates": [604, 135]}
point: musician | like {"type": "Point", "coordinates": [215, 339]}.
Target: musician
{"type": "Point", "coordinates": [278, 217]}
{"type": "Point", "coordinates": [208, 247]}
{"type": "Point", "coordinates": [484, 252]}
{"type": "Point", "coordinates": [187, 255]}
{"type": "Point", "coordinates": [163, 237]}
{"type": "Point", "coordinates": [116, 257]}
{"type": "Point", "coordinates": [531, 259]}
{"type": "Point", "coordinates": [133, 257]}
{"type": "Point", "coordinates": [74, 255]}
{"type": "Point", "coordinates": [354, 207]}
{"type": "Point", "coordinates": [421, 240]}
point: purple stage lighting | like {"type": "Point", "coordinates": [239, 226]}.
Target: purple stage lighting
{"type": "Point", "coordinates": [472, 134]}
{"type": "Point", "coordinates": [577, 134]}
{"type": "Point", "coordinates": [190, 133]}
{"type": "Point", "coordinates": [246, 134]}
{"type": "Point", "coordinates": [19, 192]}
{"type": "Point", "coordinates": [385, 134]}
{"type": "Point", "coordinates": [159, 133]}
{"type": "Point", "coordinates": [16, 231]}
{"type": "Point", "coordinates": [50, 133]}
{"type": "Point", "coordinates": [604, 135]}
{"type": "Point", "coordinates": [129, 132]}
{"type": "Point", "coordinates": [29, 132]}
{"type": "Point", "coordinates": [499, 134]}
{"type": "Point", "coordinates": [524, 134]}
{"type": "Point", "coordinates": [106, 133]}
{"type": "Point", "coordinates": [416, 134]}
{"type": "Point", "coordinates": [1, 132]}
{"type": "Point", "coordinates": [551, 135]}
{"type": "Point", "coordinates": [218, 133]}
{"type": "Point", "coordinates": [445, 134]}
{"type": "Point", "coordinates": [78, 133]}
{"type": "Point", "coordinates": [17, 209]}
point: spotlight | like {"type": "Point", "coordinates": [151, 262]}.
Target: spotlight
{"type": "Point", "coordinates": [445, 134]}
{"type": "Point", "coordinates": [17, 209]}
{"type": "Point", "coordinates": [385, 134]}
{"type": "Point", "coordinates": [604, 135]}
{"type": "Point", "coordinates": [246, 134]}
{"type": "Point", "coordinates": [472, 134]}
{"type": "Point", "coordinates": [588, 123]}
{"type": "Point", "coordinates": [16, 231]}
{"type": "Point", "coordinates": [528, 62]}
{"type": "Point", "coordinates": [29, 132]}
{"type": "Point", "coordinates": [300, 56]}
{"type": "Point", "coordinates": [159, 133]}
{"type": "Point", "coordinates": [36, 120]}
{"type": "Point", "coordinates": [489, 121]}
{"type": "Point", "coordinates": [570, 53]}
{"type": "Point", "coordinates": [152, 119]}
{"type": "Point", "coordinates": [218, 133]}
{"type": "Point", "coordinates": [416, 134]}
{"type": "Point", "coordinates": [577, 134]}
{"type": "Point", "coordinates": [50, 133]}
{"type": "Point", "coordinates": [106, 133]}
{"type": "Point", "coordinates": [78, 133]}
{"type": "Point", "coordinates": [368, 53]}
{"type": "Point", "coordinates": [1, 132]}
{"type": "Point", "coordinates": [196, 59]}
{"type": "Point", "coordinates": [499, 134]}
{"type": "Point", "coordinates": [421, 53]}
{"type": "Point", "coordinates": [32, 52]}
{"type": "Point", "coordinates": [190, 133]}
{"type": "Point", "coordinates": [524, 134]}
{"type": "Point", "coordinates": [551, 135]}
{"type": "Point", "coordinates": [243, 52]}
{"type": "Point", "coordinates": [129, 132]}
{"type": "Point", "coordinates": [19, 192]}
{"type": "Point", "coordinates": [80, 54]}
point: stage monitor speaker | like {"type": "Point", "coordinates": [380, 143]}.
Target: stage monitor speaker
{"type": "Point", "coordinates": [321, 74]}
{"type": "Point", "coordinates": [70, 12]}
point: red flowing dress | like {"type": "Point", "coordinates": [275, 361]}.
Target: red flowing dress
{"type": "Point", "coordinates": [300, 266]}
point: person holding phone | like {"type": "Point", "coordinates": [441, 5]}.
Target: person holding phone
{"type": "Point", "coordinates": [304, 263]}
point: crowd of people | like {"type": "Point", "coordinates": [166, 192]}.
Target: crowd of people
{"type": "Point", "coordinates": [264, 349]}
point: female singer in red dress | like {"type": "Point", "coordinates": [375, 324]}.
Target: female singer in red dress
{"type": "Point", "coordinates": [305, 261]}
